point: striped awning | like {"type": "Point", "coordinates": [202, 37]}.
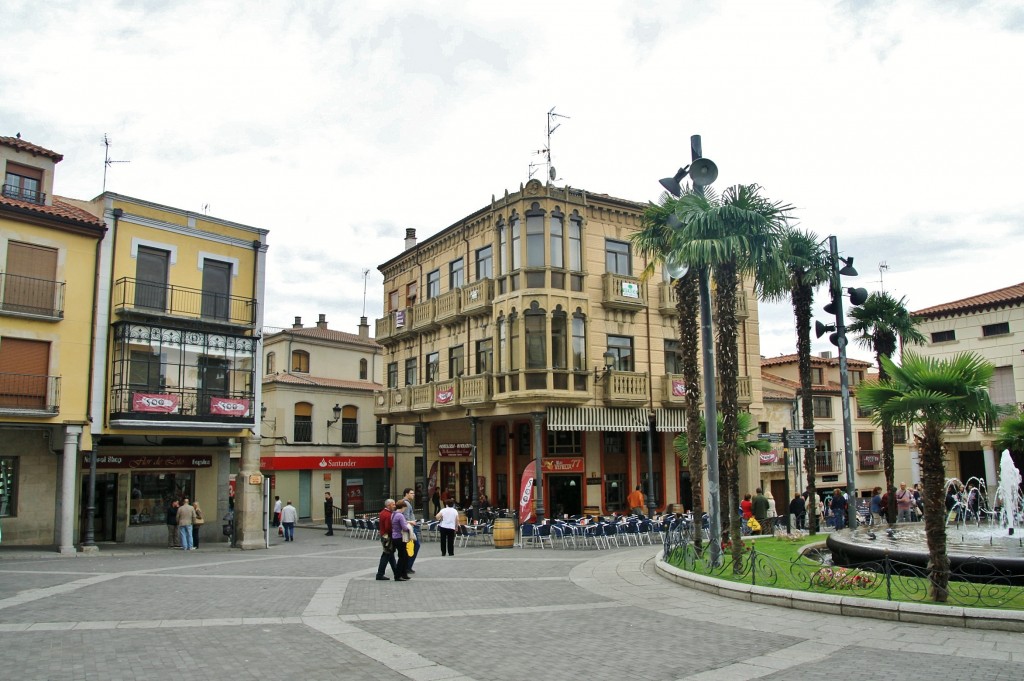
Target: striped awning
{"type": "Point", "coordinates": [599, 419]}
{"type": "Point", "coordinates": [670, 420]}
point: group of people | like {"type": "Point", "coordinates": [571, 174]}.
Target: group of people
{"type": "Point", "coordinates": [909, 504]}
{"type": "Point", "coordinates": [183, 521]}
{"type": "Point", "coordinates": [758, 512]}
{"type": "Point", "coordinates": [399, 532]}
{"type": "Point", "coordinates": [285, 517]}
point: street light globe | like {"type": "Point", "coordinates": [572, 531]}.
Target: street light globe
{"type": "Point", "coordinates": [675, 267]}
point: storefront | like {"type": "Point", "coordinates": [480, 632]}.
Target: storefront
{"type": "Point", "coordinates": [353, 480]}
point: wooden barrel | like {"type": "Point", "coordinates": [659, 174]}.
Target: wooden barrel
{"type": "Point", "coordinates": [678, 508]}
{"type": "Point", "coordinates": [504, 533]}
{"type": "Point", "coordinates": [463, 520]}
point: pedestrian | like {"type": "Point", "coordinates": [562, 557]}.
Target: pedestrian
{"type": "Point", "coordinates": [186, 516]}
{"type": "Point", "coordinates": [876, 506]}
{"type": "Point", "coordinates": [173, 541]}
{"type": "Point", "coordinates": [329, 513]}
{"type": "Point", "coordinates": [449, 518]}
{"type": "Point", "coordinates": [277, 511]}
{"type": "Point", "coordinates": [399, 532]}
{"type": "Point", "coordinates": [197, 524]}
{"type": "Point", "coordinates": [745, 508]}
{"type": "Point", "coordinates": [839, 506]}
{"type": "Point", "coordinates": [759, 506]}
{"type": "Point", "coordinates": [435, 499]}
{"type": "Point", "coordinates": [904, 504]}
{"type": "Point", "coordinates": [798, 510]}
{"type": "Point", "coordinates": [635, 501]}
{"type": "Point", "coordinates": [409, 494]}
{"type": "Point", "coordinates": [387, 555]}
{"type": "Point", "coordinates": [288, 517]}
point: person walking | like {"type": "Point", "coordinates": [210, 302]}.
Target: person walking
{"type": "Point", "coordinates": [197, 524]}
{"type": "Point", "coordinates": [798, 510]}
{"type": "Point", "coordinates": [409, 495]}
{"type": "Point", "coordinates": [875, 506]}
{"type": "Point", "coordinates": [449, 518]}
{"type": "Point", "coordinates": [186, 516]}
{"type": "Point", "coordinates": [171, 518]}
{"type": "Point", "coordinates": [838, 506]}
{"type": "Point", "coordinates": [277, 511]}
{"type": "Point", "coordinates": [387, 556]}
{"type": "Point", "coordinates": [400, 529]}
{"type": "Point", "coordinates": [329, 514]}
{"type": "Point", "coordinates": [904, 504]}
{"type": "Point", "coordinates": [635, 501]}
{"type": "Point", "coordinates": [288, 518]}
{"type": "Point", "coordinates": [759, 507]}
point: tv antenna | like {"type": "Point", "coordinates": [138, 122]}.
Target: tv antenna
{"type": "Point", "coordinates": [546, 151]}
{"type": "Point", "coordinates": [107, 160]}
{"type": "Point", "coordinates": [882, 267]}
{"type": "Point", "coordinates": [366, 274]}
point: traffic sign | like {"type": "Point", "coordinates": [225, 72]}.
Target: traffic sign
{"type": "Point", "coordinates": [771, 437]}
{"type": "Point", "coordinates": [800, 439]}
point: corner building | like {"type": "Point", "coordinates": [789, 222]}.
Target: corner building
{"type": "Point", "coordinates": [525, 326]}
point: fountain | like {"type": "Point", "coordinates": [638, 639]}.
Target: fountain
{"type": "Point", "coordinates": [973, 531]}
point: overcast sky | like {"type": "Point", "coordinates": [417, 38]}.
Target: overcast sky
{"type": "Point", "coordinates": [895, 126]}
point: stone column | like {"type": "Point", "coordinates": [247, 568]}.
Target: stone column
{"type": "Point", "coordinates": [249, 501]}
{"type": "Point", "coordinates": [991, 479]}
{"type": "Point", "coordinates": [68, 484]}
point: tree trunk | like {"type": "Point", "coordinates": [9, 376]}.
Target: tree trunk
{"type": "Point", "coordinates": [803, 299]}
{"type": "Point", "coordinates": [888, 458]}
{"type": "Point", "coordinates": [688, 308]}
{"type": "Point", "coordinates": [727, 282]}
{"type": "Point", "coordinates": [933, 477]}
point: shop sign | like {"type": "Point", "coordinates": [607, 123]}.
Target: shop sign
{"type": "Point", "coordinates": [256, 479]}
{"type": "Point", "coordinates": [324, 463]}
{"type": "Point", "coordinates": [453, 449]}
{"type": "Point", "coordinates": [156, 402]}
{"type": "Point", "coordinates": [557, 465]}
{"type": "Point", "coordinates": [134, 461]}
{"type": "Point", "coordinates": [228, 406]}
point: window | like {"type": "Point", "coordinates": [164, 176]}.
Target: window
{"type": "Point", "coordinates": [456, 274]}
{"type": "Point", "coordinates": [216, 289]}
{"type": "Point", "coordinates": [514, 227]}
{"type": "Point", "coordinates": [433, 367]}
{"type": "Point", "coordinates": [536, 343]}
{"type": "Point", "coordinates": [410, 371]}
{"type": "Point", "coordinates": [576, 243]}
{"type": "Point", "coordinates": [513, 342]}
{"type": "Point", "coordinates": [817, 376]}
{"type": "Point", "coordinates": [213, 381]}
{"type": "Point", "coordinates": [535, 237]}
{"type": "Point", "coordinates": [502, 248]}
{"type": "Point", "coordinates": [899, 435]}
{"type": "Point", "coordinates": [822, 407]}
{"type": "Point", "coordinates": [300, 361]}
{"type": "Point", "coordinates": [456, 361]}
{"type": "Point", "coordinates": [268, 367]}
{"type": "Point", "coordinates": [145, 371]}
{"type": "Point", "coordinates": [1000, 329]}
{"type": "Point", "coordinates": [23, 374]}
{"type": "Point", "coordinates": [393, 300]}
{"type": "Point", "coordinates": [863, 412]}
{"type": "Point", "coordinates": [557, 240]}
{"type": "Point", "coordinates": [433, 284]}
{"type": "Point", "coordinates": [410, 294]}
{"type": "Point", "coordinates": [502, 344]}
{"type": "Point", "coordinates": [393, 374]}
{"type": "Point", "coordinates": [484, 263]}
{"type": "Point", "coordinates": [622, 348]}
{"type": "Point", "coordinates": [417, 435]}
{"type": "Point", "coordinates": [153, 490]}
{"type": "Point", "coordinates": [484, 355]}
{"type": "Point", "coordinates": [30, 279]}
{"type": "Point", "coordinates": [579, 343]}
{"type": "Point", "coordinates": [673, 362]}
{"type": "Point", "coordinates": [565, 443]}
{"type": "Point", "coordinates": [8, 487]}
{"type": "Point", "coordinates": [23, 183]}
{"type": "Point", "coordinates": [763, 427]}
{"type": "Point", "coordinates": [856, 377]}
{"type": "Point", "coordinates": [943, 336]}
{"type": "Point", "coordinates": [349, 424]}
{"type": "Point", "coordinates": [363, 366]}
{"type": "Point", "coordinates": [617, 260]}
{"type": "Point", "coordinates": [303, 417]}
{"type": "Point", "coordinates": [559, 346]}
{"type": "Point", "coordinates": [151, 265]}
{"type": "Point", "coordinates": [1000, 387]}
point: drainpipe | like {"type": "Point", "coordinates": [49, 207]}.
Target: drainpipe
{"type": "Point", "coordinates": [652, 501]}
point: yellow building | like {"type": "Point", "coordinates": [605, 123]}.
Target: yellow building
{"type": "Point", "coordinates": [175, 384]}
{"type": "Point", "coordinates": [49, 250]}
{"type": "Point", "coordinates": [524, 326]}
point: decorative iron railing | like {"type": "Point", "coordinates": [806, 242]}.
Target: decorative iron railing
{"type": "Point", "coordinates": [143, 296]}
{"type": "Point", "coordinates": [28, 295]}
{"type": "Point", "coordinates": [14, 191]}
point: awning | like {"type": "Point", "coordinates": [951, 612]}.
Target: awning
{"type": "Point", "coordinates": [599, 419]}
{"type": "Point", "coordinates": [670, 420]}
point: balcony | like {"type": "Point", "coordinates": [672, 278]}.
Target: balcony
{"type": "Point", "coordinates": [667, 299]}
{"type": "Point", "coordinates": [625, 388]}
{"type": "Point", "coordinates": [380, 402]}
{"type": "Point", "coordinates": [141, 298]}
{"type": "Point", "coordinates": [31, 297]}
{"type": "Point", "coordinates": [29, 395]}
{"type": "Point", "coordinates": [448, 307]}
{"type": "Point", "coordinates": [446, 394]}
{"type": "Point", "coordinates": [474, 390]}
{"type": "Point", "coordinates": [19, 193]}
{"type": "Point", "coordinates": [869, 460]}
{"type": "Point", "coordinates": [622, 292]}
{"type": "Point", "coordinates": [399, 401]}
{"type": "Point", "coordinates": [742, 310]}
{"type": "Point", "coordinates": [423, 318]}
{"type": "Point", "coordinates": [673, 390]}
{"type": "Point", "coordinates": [170, 405]}
{"type": "Point", "coordinates": [743, 389]}
{"type": "Point", "coordinates": [828, 462]}
{"type": "Point", "coordinates": [477, 297]}
{"type": "Point", "coordinates": [422, 397]}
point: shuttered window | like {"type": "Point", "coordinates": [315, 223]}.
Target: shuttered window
{"type": "Point", "coordinates": [30, 282]}
{"type": "Point", "coordinates": [23, 373]}
{"type": "Point", "coordinates": [151, 267]}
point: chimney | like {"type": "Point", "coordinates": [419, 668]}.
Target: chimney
{"type": "Point", "coordinates": [364, 328]}
{"type": "Point", "coordinates": [410, 238]}
{"type": "Point", "coordinates": [298, 323]}
{"type": "Point", "coordinates": [321, 323]}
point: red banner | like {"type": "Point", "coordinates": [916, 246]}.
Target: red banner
{"type": "Point", "coordinates": [159, 403]}
{"type": "Point", "coordinates": [678, 387]}
{"type": "Point", "coordinates": [526, 494]}
{"type": "Point", "coordinates": [432, 481]}
{"type": "Point", "coordinates": [768, 458]}
{"type": "Point", "coordinates": [556, 465]}
{"type": "Point", "coordinates": [327, 463]}
{"type": "Point", "coordinates": [444, 395]}
{"type": "Point", "coordinates": [228, 406]}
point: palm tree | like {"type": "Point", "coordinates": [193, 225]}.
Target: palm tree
{"type": "Point", "coordinates": [802, 265]}
{"type": "Point", "coordinates": [1011, 433]}
{"type": "Point", "coordinates": [745, 444]}
{"type": "Point", "coordinates": [932, 394]}
{"type": "Point", "coordinates": [880, 322]}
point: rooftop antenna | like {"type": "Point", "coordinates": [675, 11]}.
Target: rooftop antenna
{"type": "Point", "coordinates": [206, 209]}
{"type": "Point", "coordinates": [107, 160]}
{"type": "Point", "coordinates": [366, 274]}
{"type": "Point", "coordinates": [882, 267]}
{"type": "Point", "coordinates": [546, 151]}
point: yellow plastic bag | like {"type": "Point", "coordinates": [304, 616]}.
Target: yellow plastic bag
{"type": "Point", "coordinates": [410, 548]}
{"type": "Point", "coordinates": [754, 525]}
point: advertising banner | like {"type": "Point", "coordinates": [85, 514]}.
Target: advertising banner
{"type": "Point", "coordinates": [229, 406]}
{"type": "Point", "coordinates": [158, 403]}
{"type": "Point", "coordinates": [432, 481]}
{"type": "Point", "coordinates": [526, 494]}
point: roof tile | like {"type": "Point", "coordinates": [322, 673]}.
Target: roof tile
{"type": "Point", "coordinates": [1003, 297]}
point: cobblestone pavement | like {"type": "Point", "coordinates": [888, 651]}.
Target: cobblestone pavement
{"type": "Point", "coordinates": [311, 609]}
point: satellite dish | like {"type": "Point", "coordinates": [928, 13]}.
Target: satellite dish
{"type": "Point", "coordinates": [552, 173]}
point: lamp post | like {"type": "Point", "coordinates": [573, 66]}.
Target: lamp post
{"type": "Point", "coordinates": [331, 422]}
{"type": "Point", "coordinates": [703, 172]}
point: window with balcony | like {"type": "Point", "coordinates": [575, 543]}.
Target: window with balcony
{"type": "Point", "coordinates": [151, 267]}
{"type": "Point", "coordinates": [300, 361]}
{"type": "Point", "coordinates": [410, 371]}
{"type": "Point", "coordinates": [410, 294]}
{"type": "Point", "coordinates": [943, 336]}
{"type": "Point", "coordinates": [363, 369]}
{"type": "Point", "coordinates": [393, 374]}
{"type": "Point", "coordinates": [1000, 329]}
{"type": "Point", "coordinates": [616, 257]}
{"type": "Point", "coordinates": [484, 355]}
{"type": "Point", "coordinates": [24, 383]}
{"type": "Point", "coordinates": [621, 348]}
{"type": "Point", "coordinates": [349, 424]}
{"type": "Point", "coordinates": [8, 486]}
{"type": "Point", "coordinates": [393, 301]}
{"type": "Point", "coordinates": [456, 274]}
{"type": "Point", "coordinates": [432, 367]}
{"type": "Point", "coordinates": [269, 366]}
{"type": "Point", "coordinates": [303, 420]}
{"type": "Point", "coordinates": [673, 362]}
{"type": "Point", "coordinates": [456, 361]}
{"type": "Point", "coordinates": [484, 263]}
{"type": "Point", "coordinates": [30, 280]}
{"type": "Point", "coordinates": [147, 371]}
{"type": "Point", "coordinates": [216, 289]}
{"type": "Point", "coordinates": [433, 284]}
{"type": "Point", "coordinates": [24, 184]}
{"type": "Point", "coordinates": [213, 383]}
{"type": "Point", "coordinates": [822, 407]}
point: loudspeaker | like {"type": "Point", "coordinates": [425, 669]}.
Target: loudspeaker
{"type": "Point", "coordinates": [820, 329]}
{"type": "Point", "coordinates": [703, 171]}
{"type": "Point", "coordinates": [858, 295]}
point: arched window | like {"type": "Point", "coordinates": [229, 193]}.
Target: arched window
{"type": "Point", "coordinates": [535, 323]}
{"type": "Point", "coordinates": [557, 239]}
{"type": "Point", "coordinates": [535, 236]}
{"type": "Point", "coordinates": [350, 424]}
{"type": "Point", "coordinates": [576, 251]}
{"type": "Point", "coordinates": [514, 228]}
{"type": "Point", "coordinates": [303, 416]}
{"type": "Point", "coordinates": [268, 367]}
{"type": "Point", "coordinates": [579, 350]}
{"type": "Point", "coordinates": [300, 361]}
{"type": "Point", "coordinates": [362, 369]}
{"type": "Point", "coordinates": [559, 349]}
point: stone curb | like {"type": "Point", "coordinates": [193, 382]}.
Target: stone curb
{"type": "Point", "coordinates": [918, 613]}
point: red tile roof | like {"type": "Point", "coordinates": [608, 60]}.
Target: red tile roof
{"type": "Point", "coordinates": [1003, 297]}
{"type": "Point", "coordinates": [815, 359]}
{"type": "Point", "coordinates": [320, 382]}
{"type": "Point", "coordinates": [831, 387]}
{"type": "Point", "coordinates": [325, 334]}
{"type": "Point", "coordinates": [60, 210]}
{"type": "Point", "coordinates": [35, 150]}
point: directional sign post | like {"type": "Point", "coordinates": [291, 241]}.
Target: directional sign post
{"type": "Point", "coordinates": [800, 439]}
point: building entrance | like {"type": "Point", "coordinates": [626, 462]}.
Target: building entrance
{"type": "Point", "coordinates": [105, 512]}
{"type": "Point", "coordinates": [565, 495]}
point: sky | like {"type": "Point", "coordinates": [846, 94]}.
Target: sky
{"type": "Point", "coordinates": [895, 126]}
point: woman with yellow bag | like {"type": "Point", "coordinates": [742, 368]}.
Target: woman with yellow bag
{"type": "Point", "coordinates": [401, 534]}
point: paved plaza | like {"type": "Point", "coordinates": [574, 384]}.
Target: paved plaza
{"type": "Point", "coordinates": [311, 609]}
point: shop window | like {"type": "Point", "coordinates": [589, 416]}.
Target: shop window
{"type": "Point", "coordinates": [300, 361]}
{"type": "Point", "coordinates": [153, 492]}
{"type": "Point", "coordinates": [363, 367]}
{"type": "Point", "coordinates": [350, 424]}
{"type": "Point", "coordinates": [8, 487]}
{"type": "Point", "coordinates": [615, 491]}
{"type": "Point", "coordinates": [303, 418]}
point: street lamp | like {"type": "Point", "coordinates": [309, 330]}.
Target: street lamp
{"type": "Point", "coordinates": [609, 362]}
{"type": "Point", "coordinates": [703, 172]}
{"type": "Point", "coordinates": [331, 422]}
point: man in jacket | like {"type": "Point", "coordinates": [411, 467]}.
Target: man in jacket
{"type": "Point", "coordinates": [171, 518]}
{"type": "Point", "coordinates": [186, 516]}
{"type": "Point", "coordinates": [759, 505]}
{"type": "Point", "coordinates": [387, 556]}
{"type": "Point", "coordinates": [329, 513]}
{"type": "Point", "coordinates": [289, 516]}
{"type": "Point", "coordinates": [409, 494]}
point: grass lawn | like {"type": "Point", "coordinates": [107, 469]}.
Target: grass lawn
{"type": "Point", "coordinates": [779, 564]}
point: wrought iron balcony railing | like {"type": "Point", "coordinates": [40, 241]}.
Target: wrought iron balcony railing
{"type": "Point", "coordinates": [179, 301]}
{"type": "Point", "coordinates": [31, 296]}
{"type": "Point", "coordinates": [19, 193]}
{"type": "Point", "coordinates": [29, 393]}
